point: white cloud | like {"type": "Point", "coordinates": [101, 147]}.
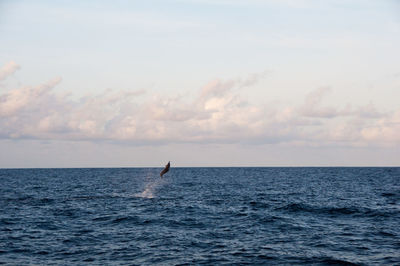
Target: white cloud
{"type": "Point", "coordinates": [217, 114]}
{"type": "Point", "coordinates": [8, 69]}
{"type": "Point", "coordinates": [386, 130]}
{"type": "Point", "coordinates": [15, 100]}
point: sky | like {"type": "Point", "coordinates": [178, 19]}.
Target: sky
{"type": "Point", "coordinates": [199, 83]}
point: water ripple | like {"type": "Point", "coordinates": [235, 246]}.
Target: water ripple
{"type": "Point", "coordinates": [255, 216]}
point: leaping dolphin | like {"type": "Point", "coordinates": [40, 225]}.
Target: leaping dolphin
{"type": "Point", "coordinates": [165, 170]}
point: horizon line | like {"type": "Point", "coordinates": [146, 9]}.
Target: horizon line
{"type": "Point", "coordinates": [156, 167]}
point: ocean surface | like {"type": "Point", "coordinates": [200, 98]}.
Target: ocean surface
{"type": "Point", "coordinates": [211, 216]}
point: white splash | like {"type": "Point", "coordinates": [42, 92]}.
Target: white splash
{"type": "Point", "coordinates": [150, 188]}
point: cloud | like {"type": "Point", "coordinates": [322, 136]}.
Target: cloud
{"type": "Point", "coordinates": [385, 130]}
{"type": "Point", "coordinates": [312, 108]}
{"type": "Point", "coordinates": [215, 114]}
{"type": "Point", "coordinates": [16, 100]}
{"type": "Point", "coordinates": [8, 69]}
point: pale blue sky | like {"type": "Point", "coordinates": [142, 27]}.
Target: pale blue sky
{"type": "Point", "coordinates": [152, 81]}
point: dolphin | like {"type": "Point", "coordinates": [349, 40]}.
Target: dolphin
{"type": "Point", "coordinates": [165, 170]}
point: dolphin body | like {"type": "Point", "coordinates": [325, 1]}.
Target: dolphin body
{"type": "Point", "coordinates": [165, 170]}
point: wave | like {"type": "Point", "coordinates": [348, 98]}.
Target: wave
{"type": "Point", "coordinates": [301, 207]}
{"type": "Point", "coordinates": [335, 211]}
{"type": "Point", "coordinates": [125, 219]}
{"type": "Point", "coordinates": [27, 200]}
{"type": "Point", "coordinates": [329, 261]}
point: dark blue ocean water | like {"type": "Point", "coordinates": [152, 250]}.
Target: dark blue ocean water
{"type": "Point", "coordinates": [268, 216]}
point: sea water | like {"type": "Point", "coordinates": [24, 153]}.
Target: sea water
{"type": "Point", "coordinates": [214, 216]}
